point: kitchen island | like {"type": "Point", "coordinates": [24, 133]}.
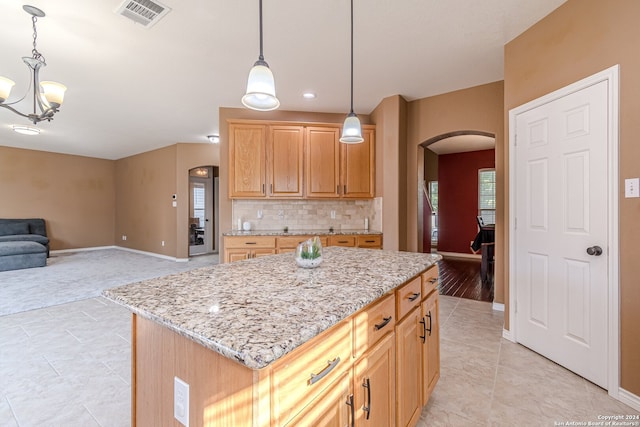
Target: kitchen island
{"type": "Point", "coordinates": [263, 342]}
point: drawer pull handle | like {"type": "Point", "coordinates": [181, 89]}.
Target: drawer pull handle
{"type": "Point", "coordinates": [367, 408]}
{"type": "Point", "coordinates": [423, 337]}
{"type": "Point", "coordinates": [385, 322]}
{"type": "Point", "coordinates": [317, 377]}
{"type": "Point", "coordinates": [434, 280]}
{"type": "Point", "coordinates": [414, 296]}
{"type": "Point", "coordinates": [369, 241]}
{"type": "Point", "coordinates": [251, 243]}
{"type": "Point", "coordinates": [343, 241]}
{"type": "Point", "coordinates": [430, 323]}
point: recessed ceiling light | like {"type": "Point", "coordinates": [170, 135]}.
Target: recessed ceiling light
{"type": "Point", "coordinates": [214, 138]}
{"type": "Point", "coordinates": [309, 95]}
{"type": "Point", "coordinates": [26, 130]}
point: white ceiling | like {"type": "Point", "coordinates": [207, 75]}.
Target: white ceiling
{"type": "Point", "coordinates": [134, 89]}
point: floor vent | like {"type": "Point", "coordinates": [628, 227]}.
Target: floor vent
{"type": "Point", "coordinates": [145, 12]}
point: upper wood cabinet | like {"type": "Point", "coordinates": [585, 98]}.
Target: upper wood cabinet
{"type": "Point", "coordinates": [299, 161]}
{"type": "Point", "coordinates": [285, 161]}
{"type": "Point", "coordinates": [265, 161]}
{"type": "Point", "coordinates": [339, 170]}
{"type": "Point", "coordinates": [247, 160]}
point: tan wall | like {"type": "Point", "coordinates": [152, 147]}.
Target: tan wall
{"type": "Point", "coordinates": [190, 156]}
{"type": "Point", "coordinates": [242, 113]}
{"type": "Point", "coordinates": [144, 186]}
{"type": "Point", "coordinates": [390, 117]}
{"type": "Point", "coordinates": [478, 108]}
{"type": "Point", "coordinates": [74, 194]}
{"type": "Point", "coordinates": [579, 39]}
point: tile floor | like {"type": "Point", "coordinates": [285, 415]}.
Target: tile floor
{"type": "Point", "coordinates": [69, 365]}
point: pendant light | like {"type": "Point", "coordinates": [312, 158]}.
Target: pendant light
{"type": "Point", "coordinates": [351, 130]}
{"type": "Point", "coordinates": [261, 88]}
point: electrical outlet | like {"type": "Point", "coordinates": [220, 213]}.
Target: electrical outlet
{"type": "Point", "coordinates": [181, 401]}
{"type": "Point", "coordinates": [124, 237]}
{"type": "Point", "coordinates": [163, 243]}
{"type": "Point", "coordinates": [259, 214]}
{"type": "Point", "coordinates": [333, 214]}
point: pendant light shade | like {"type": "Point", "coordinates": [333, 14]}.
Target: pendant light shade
{"type": "Point", "coordinates": [351, 129]}
{"type": "Point", "coordinates": [261, 87]}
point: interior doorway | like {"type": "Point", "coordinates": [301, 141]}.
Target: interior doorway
{"type": "Point", "coordinates": [203, 210]}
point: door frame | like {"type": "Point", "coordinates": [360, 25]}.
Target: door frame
{"type": "Point", "coordinates": [611, 76]}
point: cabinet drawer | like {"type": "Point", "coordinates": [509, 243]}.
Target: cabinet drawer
{"type": "Point", "coordinates": [408, 296]}
{"type": "Point", "coordinates": [302, 375]}
{"type": "Point", "coordinates": [250, 242]}
{"type": "Point", "coordinates": [429, 280]}
{"type": "Point", "coordinates": [372, 323]}
{"type": "Point", "coordinates": [292, 242]}
{"type": "Point", "coordinates": [349, 241]}
{"type": "Point", "coordinates": [369, 241]}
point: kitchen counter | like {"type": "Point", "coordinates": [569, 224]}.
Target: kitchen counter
{"type": "Point", "coordinates": [290, 232]}
{"type": "Point", "coordinates": [258, 310]}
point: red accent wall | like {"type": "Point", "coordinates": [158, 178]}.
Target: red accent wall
{"type": "Point", "coordinates": [458, 198]}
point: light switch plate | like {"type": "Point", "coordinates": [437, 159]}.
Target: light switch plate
{"type": "Point", "coordinates": [631, 187]}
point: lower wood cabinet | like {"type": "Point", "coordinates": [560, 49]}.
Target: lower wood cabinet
{"type": "Point", "coordinates": [408, 369]}
{"type": "Point", "coordinates": [375, 385]}
{"type": "Point", "coordinates": [430, 346]}
{"type": "Point", "coordinates": [238, 248]}
{"type": "Point", "coordinates": [333, 408]}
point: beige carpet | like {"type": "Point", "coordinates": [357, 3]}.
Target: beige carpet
{"type": "Point", "coordinates": [73, 276]}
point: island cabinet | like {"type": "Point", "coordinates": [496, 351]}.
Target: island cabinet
{"type": "Point", "coordinates": [265, 161]}
{"type": "Point", "coordinates": [336, 170]}
{"type": "Point", "coordinates": [248, 363]}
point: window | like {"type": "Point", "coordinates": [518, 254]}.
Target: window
{"type": "Point", "coordinates": [487, 195]}
{"type": "Point", "coordinates": [198, 202]}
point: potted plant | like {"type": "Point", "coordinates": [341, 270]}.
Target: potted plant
{"type": "Point", "coordinates": [309, 253]}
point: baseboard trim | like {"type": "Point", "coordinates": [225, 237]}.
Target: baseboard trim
{"type": "Point", "coordinates": [94, 248]}
{"type": "Point", "coordinates": [498, 306]}
{"type": "Point", "coordinates": [629, 398]}
{"type": "Point", "coordinates": [98, 248]}
{"type": "Point", "coordinates": [506, 334]}
{"type": "Point", "coordinates": [460, 255]}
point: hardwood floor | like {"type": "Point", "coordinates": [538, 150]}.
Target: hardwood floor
{"type": "Point", "coordinates": [461, 278]}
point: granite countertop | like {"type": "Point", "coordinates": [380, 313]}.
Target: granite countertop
{"type": "Point", "coordinates": [257, 310]}
{"type": "Point", "coordinates": [323, 232]}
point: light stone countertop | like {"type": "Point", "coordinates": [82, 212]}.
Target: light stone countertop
{"type": "Point", "coordinates": [281, 233]}
{"type": "Point", "coordinates": [257, 310]}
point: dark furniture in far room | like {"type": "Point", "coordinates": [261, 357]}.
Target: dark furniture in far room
{"type": "Point", "coordinates": [485, 243]}
{"type": "Point", "coordinates": [23, 243]}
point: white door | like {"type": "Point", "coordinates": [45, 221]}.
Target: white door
{"type": "Point", "coordinates": [561, 178]}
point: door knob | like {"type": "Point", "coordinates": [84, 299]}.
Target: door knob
{"type": "Point", "coordinates": [594, 250]}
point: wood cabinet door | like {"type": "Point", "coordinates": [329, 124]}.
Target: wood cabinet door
{"type": "Point", "coordinates": [257, 253]}
{"type": "Point", "coordinates": [285, 156]}
{"type": "Point", "coordinates": [431, 347]}
{"type": "Point", "coordinates": [231, 255]}
{"type": "Point", "coordinates": [374, 385]}
{"type": "Point", "coordinates": [247, 160]}
{"type": "Point", "coordinates": [330, 409]}
{"type": "Point", "coordinates": [408, 369]}
{"type": "Point", "coordinates": [323, 162]}
{"type": "Point", "coordinates": [358, 167]}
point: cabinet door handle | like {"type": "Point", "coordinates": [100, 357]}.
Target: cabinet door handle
{"type": "Point", "coordinates": [423, 337]}
{"type": "Point", "coordinates": [367, 408]}
{"type": "Point", "coordinates": [271, 190]}
{"type": "Point", "coordinates": [414, 296]}
{"type": "Point", "coordinates": [337, 189]}
{"type": "Point", "coordinates": [345, 190]}
{"type": "Point", "coordinates": [385, 322]}
{"type": "Point", "coordinates": [350, 403]}
{"type": "Point", "coordinates": [330, 365]}
{"type": "Point", "coordinates": [262, 188]}
{"type": "Point", "coordinates": [430, 321]}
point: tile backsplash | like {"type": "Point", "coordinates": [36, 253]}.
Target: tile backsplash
{"type": "Point", "coordinates": [308, 214]}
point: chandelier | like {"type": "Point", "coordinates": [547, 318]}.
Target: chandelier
{"type": "Point", "coordinates": [47, 97]}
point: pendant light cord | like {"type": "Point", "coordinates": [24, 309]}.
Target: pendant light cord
{"type": "Point", "coordinates": [351, 56]}
{"type": "Point", "coordinates": [261, 57]}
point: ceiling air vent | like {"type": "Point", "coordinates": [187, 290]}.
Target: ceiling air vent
{"type": "Point", "coordinates": [145, 12]}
